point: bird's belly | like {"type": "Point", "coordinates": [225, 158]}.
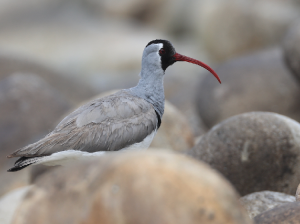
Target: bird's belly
{"type": "Point", "coordinates": [143, 144]}
{"type": "Point", "coordinates": [66, 157]}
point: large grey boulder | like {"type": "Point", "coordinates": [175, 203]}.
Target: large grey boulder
{"type": "Point", "coordinates": [255, 151]}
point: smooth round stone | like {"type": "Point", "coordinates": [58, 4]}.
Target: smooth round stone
{"type": "Point", "coordinates": [133, 187]}
{"type": "Point", "coordinates": [257, 82]}
{"type": "Point", "coordinates": [255, 151]}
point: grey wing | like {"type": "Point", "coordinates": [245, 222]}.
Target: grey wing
{"type": "Point", "coordinates": [108, 124]}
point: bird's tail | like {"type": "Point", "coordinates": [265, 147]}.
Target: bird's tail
{"type": "Point", "coordinates": [23, 162]}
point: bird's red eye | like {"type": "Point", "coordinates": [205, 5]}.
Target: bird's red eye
{"type": "Point", "coordinates": [162, 51]}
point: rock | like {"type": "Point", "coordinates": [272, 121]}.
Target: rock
{"type": "Point", "coordinates": [132, 187]}
{"type": "Point", "coordinates": [127, 9]}
{"type": "Point", "coordinates": [14, 11]}
{"type": "Point", "coordinates": [72, 36]}
{"type": "Point", "coordinates": [36, 171]}
{"type": "Point", "coordinates": [67, 85]}
{"type": "Point", "coordinates": [258, 82]}
{"type": "Point", "coordinates": [174, 132]}
{"type": "Point", "coordinates": [287, 213]}
{"type": "Point", "coordinates": [10, 202]}
{"type": "Point", "coordinates": [168, 16]}
{"type": "Point", "coordinates": [180, 90]}
{"type": "Point", "coordinates": [12, 181]}
{"type": "Point", "coordinates": [291, 49]}
{"type": "Point", "coordinates": [29, 108]}
{"type": "Point", "coordinates": [259, 202]}
{"type": "Point", "coordinates": [236, 27]}
{"type": "Point", "coordinates": [77, 42]}
{"type": "Point", "coordinates": [255, 151]}
{"type": "Point", "coordinates": [298, 193]}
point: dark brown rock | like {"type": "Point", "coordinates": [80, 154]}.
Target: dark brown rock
{"type": "Point", "coordinates": [258, 82]}
{"type": "Point", "coordinates": [255, 151]}
{"type": "Point", "coordinates": [259, 202]}
{"type": "Point", "coordinates": [132, 187]}
{"type": "Point", "coordinates": [287, 213]}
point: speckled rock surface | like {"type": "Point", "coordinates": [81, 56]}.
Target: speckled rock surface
{"type": "Point", "coordinates": [133, 187]}
{"type": "Point", "coordinates": [259, 202]}
{"type": "Point", "coordinates": [255, 151]}
{"type": "Point", "coordinates": [258, 82]}
{"type": "Point", "coordinates": [287, 213]}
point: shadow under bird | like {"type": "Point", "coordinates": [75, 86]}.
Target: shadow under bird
{"type": "Point", "coordinates": [128, 119]}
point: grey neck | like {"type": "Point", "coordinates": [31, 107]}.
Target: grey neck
{"type": "Point", "coordinates": [151, 88]}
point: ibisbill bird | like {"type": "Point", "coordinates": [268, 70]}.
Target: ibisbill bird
{"type": "Point", "coordinates": [128, 119]}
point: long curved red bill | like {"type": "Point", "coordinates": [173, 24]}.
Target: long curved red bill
{"type": "Point", "coordinates": [179, 57]}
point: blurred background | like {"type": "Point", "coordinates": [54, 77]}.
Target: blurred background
{"type": "Point", "coordinates": [55, 54]}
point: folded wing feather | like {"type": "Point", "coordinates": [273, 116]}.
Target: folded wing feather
{"type": "Point", "coordinates": [107, 124]}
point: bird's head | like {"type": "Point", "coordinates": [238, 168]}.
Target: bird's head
{"type": "Point", "coordinates": [160, 54]}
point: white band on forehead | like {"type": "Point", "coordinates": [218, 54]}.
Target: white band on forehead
{"type": "Point", "coordinates": [160, 45]}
